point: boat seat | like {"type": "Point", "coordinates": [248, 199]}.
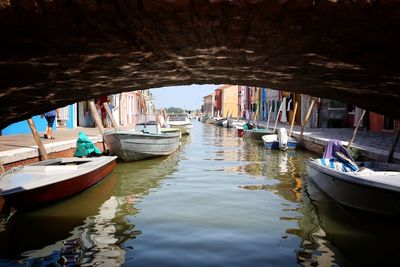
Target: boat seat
{"type": "Point", "coordinates": [364, 170]}
{"type": "Point", "coordinates": [332, 163]}
{"type": "Point", "coordinates": [345, 160]}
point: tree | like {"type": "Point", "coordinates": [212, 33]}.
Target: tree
{"type": "Point", "coordinates": [175, 110]}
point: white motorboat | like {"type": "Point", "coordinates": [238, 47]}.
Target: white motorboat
{"type": "Point", "coordinates": [180, 121]}
{"type": "Point", "coordinates": [279, 141]}
{"type": "Point", "coordinates": [367, 186]}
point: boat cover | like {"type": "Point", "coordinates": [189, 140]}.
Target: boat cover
{"type": "Point", "coordinates": [334, 146]}
{"type": "Point", "coordinates": [337, 157]}
{"type": "Point", "coordinates": [337, 165]}
{"type": "Point", "coordinates": [85, 147]}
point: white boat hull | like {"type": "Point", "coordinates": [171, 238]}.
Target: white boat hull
{"type": "Point", "coordinates": [133, 146]}
{"type": "Point", "coordinates": [271, 142]}
{"type": "Point", "coordinates": [185, 128]}
{"type": "Point", "coordinates": [373, 193]}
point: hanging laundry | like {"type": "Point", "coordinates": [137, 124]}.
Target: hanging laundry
{"type": "Point", "coordinates": [284, 112]}
{"type": "Point", "coordinates": [289, 105]}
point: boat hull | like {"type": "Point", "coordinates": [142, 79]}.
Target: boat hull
{"type": "Point", "coordinates": [59, 190]}
{"type": "Point", "coordinates": [348, 191]}
{"type": "Point", "coordinates": [184, 128]}
{"type": "Point", "coordinates": [274, 144]}
{"type": "Point", "coordinates": [131, 146]}
{"type": "Point", "coordinates": [257, 134]}
{"type": "Point", "coordinates": [171, 131]}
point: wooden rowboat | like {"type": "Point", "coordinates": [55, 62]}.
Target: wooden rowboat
{"type": "Point", "coordinates": [52, 179]}
{"type": "Point", "coordinates": [257, 133]}
{"type": "Point", "coordinates": [131, 145]}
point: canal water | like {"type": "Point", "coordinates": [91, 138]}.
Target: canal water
{"type": "Point", "coordinates": [218, 201]}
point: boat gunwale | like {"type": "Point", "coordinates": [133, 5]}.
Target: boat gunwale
{"type": "Point", "coordinates": [352, 178]}
{"type": "Point", "coordinates": [84, 171]}
{"type": "Point", "coordinates": [170, 135]}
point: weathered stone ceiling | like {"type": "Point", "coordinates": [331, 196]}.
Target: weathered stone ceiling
{"type": "Point", "coordinates": [54, 52]}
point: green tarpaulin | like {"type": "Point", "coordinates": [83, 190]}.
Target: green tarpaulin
{"type": "Point", "coordinates": [85, 147]}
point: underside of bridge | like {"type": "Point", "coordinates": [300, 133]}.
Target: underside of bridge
{"type": "Point", "coordinates": [56, 52]}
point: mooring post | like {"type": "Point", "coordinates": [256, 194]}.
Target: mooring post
{"type": "Point", "coordinates": [356, 129]}
{"type": "Point", "coordinates": [293, 119]}
{"type": "Point", "coordinates": [306, 120]}
{"type": "Point", "coordinates": [2, 169]}
{"type": "Point", "coordinates": [96, 117]}
{"type": "Point", "coordinates": [42, 150]}
{"type": "Point", "coordinates": [110, 115]}
{"type": "Point", "coordinates": [269, 116]}
{"type": "Point", "coordinates": [277, 117]}
{"type": "Point", "coordinates": [394, 145]}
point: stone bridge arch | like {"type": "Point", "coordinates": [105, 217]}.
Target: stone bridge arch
{"type": "Point", "coordinates": [55, 52]}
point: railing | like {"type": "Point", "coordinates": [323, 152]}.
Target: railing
{"type": "Point", "coordinates": [144, 118]}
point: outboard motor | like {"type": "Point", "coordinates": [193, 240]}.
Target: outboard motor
{"type": "Point", "coordinates": [250, 125]}
{"type": "Point", "coordinates": [283, 138]}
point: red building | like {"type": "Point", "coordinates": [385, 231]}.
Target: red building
{"type": "Point", "coordinates": [379, 123]}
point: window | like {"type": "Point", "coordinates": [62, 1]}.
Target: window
{"type": "Point", "coordinates": [388, 123]}
{"type": "Point", "coordinates": [336, 105]}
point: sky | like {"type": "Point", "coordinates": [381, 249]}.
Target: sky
{"type": "Point", "coordinates": [186, 97]}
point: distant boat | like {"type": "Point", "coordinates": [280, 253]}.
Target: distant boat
{"type": "Point", "coordinates": [255, 133]}
{"type": "Point", "coordinates": [52, 179]}
{"type": "Point", "coordinates": [366, 186]}
{"type": "Point", "coordinates": [279, 141]}
{"type": "Point", "coordinates": [211, 120]}
{"type": "Point", "coordinates": [219, 122]}
{"type": "Point", "coordinates": [227, 123]}
{"type": "Point", "coordinates": [180, 121]}
{"type": "Point", "coordinates": [132, 145]}
{"type": "Point", "coordinates": [154, 127]}
{"type": "Point", "coordinates": [171, 131]}
{"type": "Point", "coordinates": [238, 125]}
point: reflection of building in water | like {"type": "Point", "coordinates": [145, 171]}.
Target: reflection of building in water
{"type": "Point", "coordinates": [100, 243]}
{"type": "Point", "coordinates": [288, 170]}
{"type": "Point", "coordinates": [283, 167]}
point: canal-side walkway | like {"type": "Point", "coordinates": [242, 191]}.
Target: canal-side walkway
{"type": "Point", "coordinates": [14, 148]}
{"type": "Point", "coordinates": [372, 145]}
{"type": "Point", "coordinates": [19, 147]}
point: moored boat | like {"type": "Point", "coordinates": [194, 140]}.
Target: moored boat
{"type": "Point", "coordinates": [238, 125]}
{"type": "Point", "coordinates": [171, 131]}
{"type": "Point", "coordinates": [132, 145]}
{"type": "Point", "coordinates": [366, 186]}
{"type": "Point", "coordinates": [52, 179]}
{"type": "Point", "coordinates": [256, 133]}
{"type": "Point", "coordinates": [180, 121]}
{"type": "Point", "coordinates": [227, 123]}
{"type": "Point", "coordinates": [279, 141]}
{"type": "Point", "coordinates": [154, 127]}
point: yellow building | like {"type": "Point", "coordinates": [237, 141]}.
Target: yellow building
{"type": "Point", "coordinates": [230, 101]}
